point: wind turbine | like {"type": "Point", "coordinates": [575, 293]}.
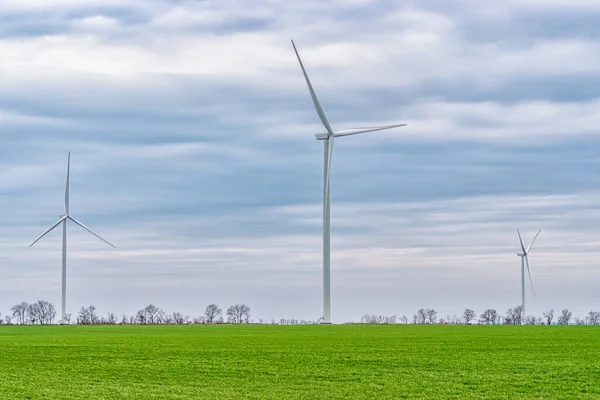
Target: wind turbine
{"type": "Point", "coordinates": [525, 260]}
{"type": "Point", "coordinates": [63, 220]}
{"type": "Point", "coordinates": [328, 139]}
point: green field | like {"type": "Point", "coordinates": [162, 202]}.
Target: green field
{"type": "Point", "coordinates": [299, 362]}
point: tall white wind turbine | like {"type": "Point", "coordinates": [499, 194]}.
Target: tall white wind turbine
{"type": "Point", "coordinates": [63, 220]}
{"type": "Point", "coordinates": [525, 261]}
{"type": "Point", "coordinates": [328, 139]}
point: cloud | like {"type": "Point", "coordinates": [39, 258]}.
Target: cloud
{"type": "Point", "coordinates": [8, 118]}
{"type": "Point", "coordinates": [96, 22]}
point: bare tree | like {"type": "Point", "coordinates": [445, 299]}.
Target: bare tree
{"type": "Point", "coordinates": [421, 316]}
{"type": "Point", "coordinates": [83, 318]}
{"type": "Point", "coordinates": [167, 319]}
{"type": "Point", "coordinates": [7, 319]}
{"type": "Point", "coordinates": [495, 317]}
{"type": "Point", "coordinates": [140, 318]}
{"type": "Point", "coordinates": [93, 316]}
{"type": "Point", "coordinates": [565, 317]}
{"type": "Point", "coordinates": [403, 319]}
{"type": "Point", "coordinates": [514, 316]}
{"type": "Point", "coordinates": [238, 314]}
{"type": "Point", "coordinates": [212, 313]}
{"type": "Point", "coordinates": [468, 316]}
{"type": "Point", "coordinates": [431, 315]}
{"type": "Point", "coordinates": [19, 311]}
{"type": "Point", "coordinates": [365, 319]}
{"type": "Point", "coordinates": [41, 312]}
{"type": "Point", "coordinates": [153, 314]}
{"type": "Point", "coordinates": [594, 318]}
{"type": "Point", "coordinates": [549, 316]}
{"type": "Point", "coordinates": [31, 317]}
{"type": "Point", "coordinates": [112, 319]}
{"type": "Point", "coordinates": [531, 320]}
{"type": "Point", "coordinates": [489, 317]}
{"type": "Point", "coordinates": [245, 314]}
{"type": "Point", "coordinates": [161, 317]}
{"type": "Point", "coordinates": [180, 319]}
{"type": "Point", "coordinates": [87, 316]}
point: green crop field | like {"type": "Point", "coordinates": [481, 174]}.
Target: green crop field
{"type": "Point", "coordinates": [299, 362]}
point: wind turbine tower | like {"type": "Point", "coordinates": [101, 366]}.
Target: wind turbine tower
{"type": "Point", "coordinates": [63, 220]}
{"type": "Point", "coordinates": [328, 139]}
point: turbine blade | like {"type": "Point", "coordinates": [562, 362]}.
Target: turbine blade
{"type": "Point", "coordinates": [89, 230]}
{"type": "Point", "coordinates": [530, 280]}
{"type": "Point", "coordinates": [49, 230]}
{"type": "Point", "coordinates": [67, 187]}
{"type": "Point", "coordinates": [356, 131]}
{"type": "Point", "coordinates": [315, 99]}
{"type": "Point", "coordinates": [521, 241]}
{"type": "Point", "coordinates": [533, 241]}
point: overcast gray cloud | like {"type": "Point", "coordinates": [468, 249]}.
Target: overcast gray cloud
{"type": "Point", "coordinates": [193, 151]}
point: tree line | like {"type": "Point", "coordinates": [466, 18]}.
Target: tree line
{"type": "Point", "coordinates": [44, 313]}
{"type": "Point", "coordinates": [513, 316]}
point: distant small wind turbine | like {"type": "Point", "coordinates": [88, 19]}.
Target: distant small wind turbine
{"type": "Point", "coordinates": [328, 139]}
{"type": "Point", "coordinates": [525, 260]}
{"type": "Point", "coordinates": [63, 220]}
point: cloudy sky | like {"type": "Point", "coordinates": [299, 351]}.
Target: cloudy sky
{"type": "Point", "coordinates": [193, 151]}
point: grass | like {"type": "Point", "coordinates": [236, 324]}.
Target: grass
{"type": "Point", "coordinates": [299, 362]}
